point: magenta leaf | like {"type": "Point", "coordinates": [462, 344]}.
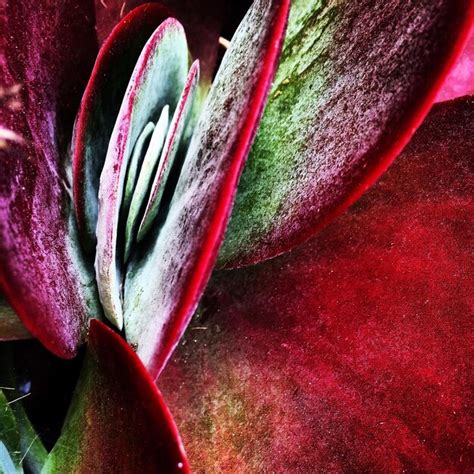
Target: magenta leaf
{"type": "Point", "coordinates": [460, 80]}
{"type": "Point", "coordinates": [49, 51]}
{"type": "Point", "coordinates": [354, 82]}
{"type": "Point", "coordinates": [162, 287]}
{"type": "Point", "coordinates": [352, 353]}
{"type": "Point", "coordinates": [118, 421]}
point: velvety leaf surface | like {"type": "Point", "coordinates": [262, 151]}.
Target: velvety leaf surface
{"type": "Point", "coordinates": [118, 421]}
{"type": "Point", "coordinates": [354, 352]}
{"type": "Point", "coordinates": [100, 106]}
{"type": "Point", "coordinates": [174, 139]}
{"type": "Point", "coordinates": [157, 80]}
{"type": "Point", "coordinates": [354, 82]}
{"type": "Point", "coordinates": [461, 78]}
{"type": "Point", "coordinates": [11, 328]}
{"type": "Point", "coordinates": [49, 51]}
{"type": "Point", "coordinates": [163, 287]}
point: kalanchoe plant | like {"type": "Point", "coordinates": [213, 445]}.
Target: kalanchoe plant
{"type": "Point", "coordinates": [123, 142]}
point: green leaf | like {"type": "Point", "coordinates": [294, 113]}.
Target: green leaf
{"type": "Point", "coordinates": [139, 150]}
{"type": "Point", "coordinates": [33, 452]}
{"type": "Point", "coordinates": [7, 465]}
{"type": "Point", "coordinates": [10, 450]}
{"type": "Point", "coordinates": [157, 80]}
{"type": "Point", "coordinates": [161, 290]}
{"type": "Point", "coordinates": [117, 421]}
{"type": "Point", "coordinates": [175, 139]}
{"type": "Point", "coordinates": [355, 80]}
{"type": "Point", "coordinates": [150, 163]}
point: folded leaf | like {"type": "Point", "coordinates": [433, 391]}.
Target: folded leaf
{"type": "Point", "coordinates": [118, 421]}
{"type": "Point", "coordinates": [157, 80]}
{"type": "Point", "coordinates": [174, 140]}
{"type": "Point", "coordinates": [352, 353]}
{"type": "Point", "coordinates": [355, 80]}
{"type": "Point", "coordinates": [100, 106]}
{"type": "Point", "coordinates": [162, 288]}
{"type": "Point", "coordinates": [49, 51]}
{"type": "Point", "coordinates": [203, 22]}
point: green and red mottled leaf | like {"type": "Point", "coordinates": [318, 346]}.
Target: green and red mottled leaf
{"type": "Point", "coordinates": [355, 81]}
{"type": "Point", "coordinates": [157, 80]}
{"type": "Point", "coordinates": [354, 352]}
{"type": "Point", "coordinates": [162, 288]}
{"type": "Point", "coordinates": [49, 52]}
{"type": "Point", "coordinates": [11, 328]}
{"type": "Point", "coordinates": [100, 106]}
{"type": "Point", "coordinates": [118, 421]}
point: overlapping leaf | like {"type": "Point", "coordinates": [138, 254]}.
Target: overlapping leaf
{"type": "Point", "coordinates": [355, 81]}
{"type": "Point", "coordinates": [162, 287]}
{"type": "Point", "coordinates": [118, 421]}
{"type": "Point", "coordinates": [353, 352]}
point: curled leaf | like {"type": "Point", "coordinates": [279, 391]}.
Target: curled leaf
{"type": "Point", "coordinates": [157, 80]}
{"type": "Point", "coordinates": [118, 421]}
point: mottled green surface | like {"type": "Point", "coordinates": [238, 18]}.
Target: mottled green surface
{"type": "Point", "coordinates": [354, 81]}
{"type": "Point", "coordinates": [266, 180]}
{"type": "Point", "coordinates": [158, 79]}
{"type": "Point", "coordinates": [117, 421]}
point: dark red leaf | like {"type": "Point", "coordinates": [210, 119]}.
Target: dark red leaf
{"type": "Point", "coordinates": [353, 353]}
{"type": "Point", "coordinates": [49, 51]}
{"type": "Point", "coordinates": [118, 421]}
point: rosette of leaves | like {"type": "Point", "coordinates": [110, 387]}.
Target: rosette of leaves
{"type": "Point", "coordinates": [129, 147]}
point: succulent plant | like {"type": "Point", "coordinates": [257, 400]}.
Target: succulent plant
{"type": "Point", "coordinates": [147, 159]}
